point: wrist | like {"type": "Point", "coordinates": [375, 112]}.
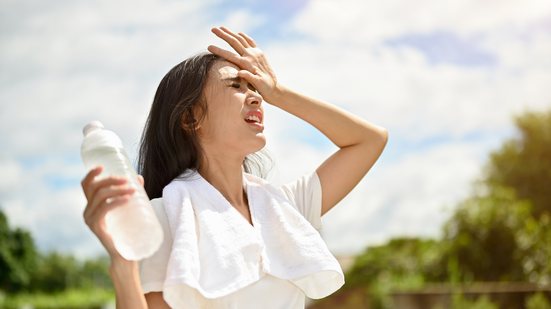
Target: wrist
{"type": "Point", "coordinates": [121, 267]}
{"type": "Point", "coordinates": [278, 95]}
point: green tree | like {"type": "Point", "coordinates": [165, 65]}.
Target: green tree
{"type": "Point", "coordinates": [398, 258]}
{"type": "Point", "coordinates": [56, 272]}
{"type": "Point", "coordinates": [94, 274]}
{"type": "Point", "coordinates": [524, 162]}
{"type": "Point", "coordinates": [535, 243]}
{"type": "Point", "coordinates": [483, 237]}
{"type": "Point", "coordinates": [400, 264]}
{"type": "Point", "coordinates": [538, 301]}
{"type": "Point", "coordinates": [502, 232]}
{"type": "Point", "coordinates": [18, 256]}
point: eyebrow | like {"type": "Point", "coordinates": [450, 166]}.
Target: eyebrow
{"type": "Point", "coordinates": [233, 79]}
{"type": "Point", "coordinates": [238, 79]}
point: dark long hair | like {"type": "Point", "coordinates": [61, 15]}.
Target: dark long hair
{"type": "Point", "coordinates": [169, 144]}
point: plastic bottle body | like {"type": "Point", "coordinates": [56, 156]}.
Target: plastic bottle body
{"type": "Point", "coordinates": [134, 227]}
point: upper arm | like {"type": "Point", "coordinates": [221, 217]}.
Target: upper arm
{"type": "Point", "coordinates": [155, 301]}
{"type": "Point", "coordinates": [343, 170]}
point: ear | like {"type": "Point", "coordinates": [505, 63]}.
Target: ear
{"type": "Point", "coordinates": [190, 123]}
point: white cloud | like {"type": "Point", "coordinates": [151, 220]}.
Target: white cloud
{"type": "Point", "coordinates": [401, 90]}
{"type": "Point", "coordinates": [344, 59]}
{"type": "Point", "coordinates": [11, 176]}
{"type": "Point", "coordinates": [65, 63]}
{"type": "Point", "coordinates": [372, 21]}
{"type": "Point", "coordinates": [412, 196]}
{"type": "Point", "coordinates": [244, 20]}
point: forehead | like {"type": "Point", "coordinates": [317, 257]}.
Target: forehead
{"type": "Point", "coordinates": [224, 69]}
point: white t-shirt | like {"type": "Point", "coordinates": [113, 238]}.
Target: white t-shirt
{"type": "Point", "coordinates": [269, 291]}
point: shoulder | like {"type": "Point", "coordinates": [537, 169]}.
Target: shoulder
{"type": "Point", "coordinates": [180, 184]}
{"type": "Point", "coordinates": [160, 212]}
{"type": "Point", "coordinates": [261, 183]}
{"type": "Point", "coordinates": [188, 176]}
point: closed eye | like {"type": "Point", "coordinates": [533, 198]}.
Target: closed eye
{"type": "Point", "coordinates": [237, 82]}
{"type": "Point", "coordinates": [252, 88]}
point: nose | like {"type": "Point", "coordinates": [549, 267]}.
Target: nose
{"type": "Point", "coordinates": [254, 98]}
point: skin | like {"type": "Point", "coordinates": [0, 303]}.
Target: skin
{"type": "Point", "coordinates": [226, 139]}
{"type": "Point", "coordinates": [225, 136]}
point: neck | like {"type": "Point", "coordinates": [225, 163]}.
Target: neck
{"type": "Point", "coordinates": [225, 174]}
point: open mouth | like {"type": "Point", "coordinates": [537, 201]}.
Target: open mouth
{"type": "Point", "coordinates": [252, 119]}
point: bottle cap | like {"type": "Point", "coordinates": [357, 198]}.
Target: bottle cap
{"type": "Point", "coordinates": [92, 126]}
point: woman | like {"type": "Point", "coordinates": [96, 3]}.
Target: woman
{"type": "Point", "coordinates": [231, 239]}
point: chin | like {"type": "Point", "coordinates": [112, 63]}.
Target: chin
{"type": "Point", "coordinates": [259, 143]}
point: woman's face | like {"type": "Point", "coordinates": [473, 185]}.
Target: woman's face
{"type": "Point", "coordinates": [235, 118]}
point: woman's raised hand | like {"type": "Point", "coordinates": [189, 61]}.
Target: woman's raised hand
{"type": "Point", "coordinates": [250, 59]}
{"type": "Point", "coordinates": [102, 195]}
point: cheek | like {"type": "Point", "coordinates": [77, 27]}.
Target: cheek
{"type": "Point", "coordinates": [224, 114]}
{"type": "Point", "coordinates": [221, 123]}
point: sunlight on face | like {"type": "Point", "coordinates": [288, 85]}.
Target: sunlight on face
{"type": "Point", "coordinates": [229, 100]}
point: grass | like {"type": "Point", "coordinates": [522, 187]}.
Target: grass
{"type": "Point", "coordinates": [70, 299]}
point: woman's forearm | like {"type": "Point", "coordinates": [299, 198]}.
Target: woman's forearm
{"type": "Point", "coordinates": [342, 128]}
{"type": "Point", "coordinates": [360, 142]}
{"type": "Point", "coordinates": [126, 280]}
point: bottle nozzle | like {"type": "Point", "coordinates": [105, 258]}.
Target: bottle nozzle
{"type": "Point", "coordinates": [92, 126]}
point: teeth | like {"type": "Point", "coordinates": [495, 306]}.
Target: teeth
{"type": "Point", "coordinates": [253, 118]}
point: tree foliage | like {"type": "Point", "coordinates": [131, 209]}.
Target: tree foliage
{"type": "Point", "coordinates": [399, 258]}
{"type": "Point", "coordinates": [523, 163]}
{"type": "Point", "coordinates": [18, 257]}
{"type": "Point", "coordinates": [24, 269]}
{"type": "Point", "coordinates": [400, 264]}
{"type": "Point", "coordinates": [502, 232]}
{"type": "Point", "coordinates": [483, 237]}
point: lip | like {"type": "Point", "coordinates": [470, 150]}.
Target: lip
{"type": "Point", "coordinates": [257, 125]}
{"type": "Point", "coordinates": [256, 113]}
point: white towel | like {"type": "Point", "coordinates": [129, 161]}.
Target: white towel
{"type": "Point", "coordinates": [217, 252]}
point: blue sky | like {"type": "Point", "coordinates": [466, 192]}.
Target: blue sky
{"type": "Point", "coordinates": [445, 80]}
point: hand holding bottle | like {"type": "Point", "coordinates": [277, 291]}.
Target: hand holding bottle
{"type": "Point", "coordinates": [104, 195]}
{"type": "Point", "coordinates": [118, 210]}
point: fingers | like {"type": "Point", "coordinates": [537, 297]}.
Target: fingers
{"type": "Point", "coordinates": [249, 40]}
{"type": "Point", "coordinates": [226, 54]}
{"type": "Point", "coordinates": [87, 180]}
{"type": "Point", "coordinates": [231, 38]}
{"type": "Point", "coordinates": [92, 187]}
{"type": "Point", "coordinates": [248, 76]}
{"type": "Point", "coordinates": [105, 194]}
{"type": "Point", "coordinates": [93, 217]}
{"type": "Point", "coordinates": [238, 41]}
{"type": "Point", "coordinates": [96, 221]}
{"type": "Point", "coordinates": [105, 198]}
{"type": "Point", "coordinates": [238, 37]}
{"type": "Point", "coordinates": [231, 57]}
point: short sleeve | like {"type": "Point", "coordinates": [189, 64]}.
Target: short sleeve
{"type": "Point", "coordinates": [305, 195]}
{"type": "Point", "coordinates": [153, 268]}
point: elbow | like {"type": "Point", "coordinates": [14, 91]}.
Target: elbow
{"type": "Point", "coordinates": [375, 138]}
{"type": "Point", "coordinates": [384, 135]}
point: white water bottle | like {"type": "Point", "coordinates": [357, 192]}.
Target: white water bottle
{"type": "Point", "coordinates": [134, 227]}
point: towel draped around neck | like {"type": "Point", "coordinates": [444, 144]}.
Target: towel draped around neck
{"type": "Point", "coordinates": [216, 251]}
